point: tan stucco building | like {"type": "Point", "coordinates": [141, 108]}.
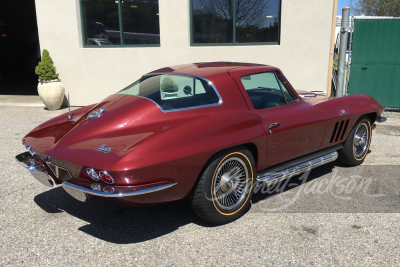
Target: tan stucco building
{"type": "Point", "coordinates": [90, 72]}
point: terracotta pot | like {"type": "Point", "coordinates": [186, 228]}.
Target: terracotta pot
{"type": "Point", "coordinates": [51, 93]}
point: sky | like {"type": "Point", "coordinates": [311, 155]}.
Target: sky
{"type": "Point", "coordinates": [341, 5]}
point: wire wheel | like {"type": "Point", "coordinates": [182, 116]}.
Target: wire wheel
{"type": "Point", "coordinates": [361, 140]}
{"type": "Point", "coordinates": [230, 183]}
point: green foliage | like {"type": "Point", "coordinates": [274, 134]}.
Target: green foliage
{"type": "Point", "coordinates": [169, 86]}
{"type": "Point", "coordinates": [376, 7]}
{"type": "Point", "coordinates": [335, 63]}
{"type": "Point", "coordinates": [46, 69]}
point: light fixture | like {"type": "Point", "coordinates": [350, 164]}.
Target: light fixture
{"type": "Point", "coordinates": [92, 174]}
{"type": "Point", "coordinates": [106, 177]}
{"type": "Point", "coordinates": [270, 17]}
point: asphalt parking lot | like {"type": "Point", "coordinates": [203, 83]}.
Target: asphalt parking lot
{"type": "Point", "coordinates": [334, 216]}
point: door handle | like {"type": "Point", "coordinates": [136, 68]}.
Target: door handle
{"type": "Point", "coordinates": [273, 126]}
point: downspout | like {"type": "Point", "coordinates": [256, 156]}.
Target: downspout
{"type": "Point", "coordinates": [331, 51]}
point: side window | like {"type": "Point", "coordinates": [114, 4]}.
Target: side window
{"type": "Point", "coordinates": [263, 90]}
{"type": "Point", "coordinates": [175, 86]}
{"type": "Point", "coordinates": [173, 91]}
{"type": "Point", "coordinates": [290, 97]}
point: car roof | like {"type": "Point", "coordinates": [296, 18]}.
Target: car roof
{"type": "Point", "coordinates": [209, 70]}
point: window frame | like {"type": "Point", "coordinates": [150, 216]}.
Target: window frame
{"type": "Point", "coordinates": [121, 28]}
{"type": "Point", "coordinates": [234, 43]}
{"type": "Point", "coordinates": [279, 77]}
{"type": "Point", "coordinates": [187, 108]}
{"type": "Point", "coordinates": [276, 75]}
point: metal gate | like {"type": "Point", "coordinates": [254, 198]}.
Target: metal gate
{"type": "Point", "coordinates": [375, 60]}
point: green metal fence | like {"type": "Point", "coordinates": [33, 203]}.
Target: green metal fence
{"type": "Point", "coordinates": [375, 60]}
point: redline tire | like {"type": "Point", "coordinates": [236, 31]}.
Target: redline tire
{"type": "Point", "coordinates": [223, 192]}
{"type": "Point", "coordinates": [356, 146]}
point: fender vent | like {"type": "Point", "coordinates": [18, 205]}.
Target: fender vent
{"type": "Point", "coordinates": [339, 131]}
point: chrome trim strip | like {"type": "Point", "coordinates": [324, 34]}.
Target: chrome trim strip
{"type": "Point", "coordinates": [295, 167]}
{"type": "Point", "coordinates": [188, 108]}
{"type": "Point", "coordinates": [381, 119]}
{"type": "Point", "coordinates": [116, 193]}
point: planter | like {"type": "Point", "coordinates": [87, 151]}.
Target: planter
{"type": "Point", "coordinates": [51, 93]}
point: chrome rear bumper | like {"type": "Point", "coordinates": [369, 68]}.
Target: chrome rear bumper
{"type": "Point", "coordinates": [35, 168]}
{"type": "Point", "coordinates": [79, 188]}
{"type": "Point", "coordinates": [79, 192]}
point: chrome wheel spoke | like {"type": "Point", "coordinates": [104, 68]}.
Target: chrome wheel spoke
{"type": "Point", "coordinates": [229, 183]}
{"type": "Point", "coordinates": [361, 140]}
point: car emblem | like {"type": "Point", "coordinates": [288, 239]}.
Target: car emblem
{"type": "Point", "coordinates": [343, 112]}
{"type": "Point", "coordinates": [96, 113]}
{"type": "Point", "coordinates": [104, 149]}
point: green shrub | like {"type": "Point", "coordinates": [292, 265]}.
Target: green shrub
{"type": "Point", "coordinates": [46, 70]}
{"type": "Point", "coordinates": [169, 86]}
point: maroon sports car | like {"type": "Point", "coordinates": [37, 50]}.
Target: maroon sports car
{"type": "Point", "coordinates": [209, 132]}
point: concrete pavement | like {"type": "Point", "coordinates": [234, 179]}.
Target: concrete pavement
{"type": "Point", "coordinates": [352, 220]}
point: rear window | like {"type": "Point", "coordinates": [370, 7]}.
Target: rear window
{"type": "Point", "coordinates": [174, 92]}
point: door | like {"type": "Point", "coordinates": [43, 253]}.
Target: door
{"type": "Point", "coordinates": [293, 127]}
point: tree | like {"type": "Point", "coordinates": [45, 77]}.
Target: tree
{"type": "Point", "coordinates": [248, 12]}
{"type": "Point", "coordinates": [46, 70]}
{"type": "Point", "coordinates": [376, 7]}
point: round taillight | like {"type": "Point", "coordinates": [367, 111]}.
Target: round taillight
{"type": "Point", "coordinates": [92, 174]}
{"type": "Point", "coordinates": [106, 177]}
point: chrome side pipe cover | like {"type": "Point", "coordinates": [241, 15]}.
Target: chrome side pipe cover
{"type": "Point", "coordinates": [295, 167]}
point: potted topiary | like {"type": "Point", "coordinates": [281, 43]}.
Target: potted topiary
{"type": "Point", "coordinates": [169, 87]}
{"type": "Point", "coordinates": [50, 88]}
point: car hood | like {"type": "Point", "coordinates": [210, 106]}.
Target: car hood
{"type": "Point", "coordinates": [127, 122]}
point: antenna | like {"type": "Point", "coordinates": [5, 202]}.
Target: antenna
{"type": "Point", "coordinates": [69, 110]}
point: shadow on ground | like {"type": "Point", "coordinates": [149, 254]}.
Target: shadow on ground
{"type": "Point", "coordinates": [120, 223]}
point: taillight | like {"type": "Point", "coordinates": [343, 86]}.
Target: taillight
{"type": "Point", "coordinates": [92, 174]}
{"type": "Point", "coordinates": [106, 177]}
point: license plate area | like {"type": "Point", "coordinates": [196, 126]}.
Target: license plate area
{"type": "Point", "coordinates": [61, 173]}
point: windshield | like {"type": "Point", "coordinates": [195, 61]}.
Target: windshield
{"type": "Point", "coordinates": [173, 91]}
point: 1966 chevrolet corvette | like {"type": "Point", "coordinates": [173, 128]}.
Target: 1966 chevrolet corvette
{"type": "Point", "coordinates": [209, 132]}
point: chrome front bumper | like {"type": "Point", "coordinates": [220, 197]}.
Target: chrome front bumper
{"type": "Point", "coordinates": [80, 189]}
{"type": "Point", "coordinates": [381, 119]}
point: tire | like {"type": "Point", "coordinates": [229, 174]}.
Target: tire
{"type": "Point", "coordinates": [355, 149]}
{"type": "Point", "coordinates": [224, 191]}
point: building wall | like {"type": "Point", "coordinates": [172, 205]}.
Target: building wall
{"type": "Point", "coordinates": [91, 74]}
